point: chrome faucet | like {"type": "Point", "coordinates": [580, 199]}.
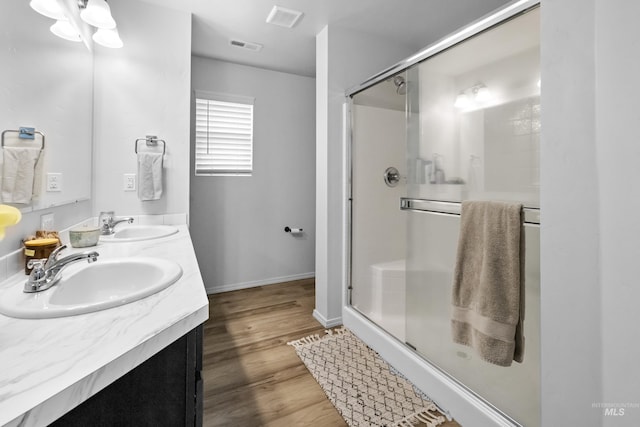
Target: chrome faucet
{"type": "Point", "coordinates": [109, 223]}
{"type": "Point", "coordinates": [46, 272]}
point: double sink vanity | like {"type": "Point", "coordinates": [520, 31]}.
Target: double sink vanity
{"type": "Point", "coordinates": [141, 302]}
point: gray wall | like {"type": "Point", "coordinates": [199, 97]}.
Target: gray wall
{"type": "Point", "coordinates": [237, 223]}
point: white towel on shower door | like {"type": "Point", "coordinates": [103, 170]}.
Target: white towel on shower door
{"type": "Point", "coordinates": [149, 176]}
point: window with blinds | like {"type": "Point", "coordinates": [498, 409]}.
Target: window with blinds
{"type": "Point", "coordinates": [224, 135]}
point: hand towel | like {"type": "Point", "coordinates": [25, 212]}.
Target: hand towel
{"type": "Point", "coordinates": [488, 289]}
{"type": "Point", "coordinates": [19, 178]}
{"type": "Point", "coordinates": [149, 175]}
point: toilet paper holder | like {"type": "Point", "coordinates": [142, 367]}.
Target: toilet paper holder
{"type": "Point", "coordinates": [288, 229]}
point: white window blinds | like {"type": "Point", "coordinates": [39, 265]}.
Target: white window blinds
{"type": "Point", "coordinates": [224, 135]}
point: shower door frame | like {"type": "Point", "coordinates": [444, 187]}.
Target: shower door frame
{"type": "Point", "coordinates": [445, 390]}
{"type": "Point", "coordinates": [485, 23]}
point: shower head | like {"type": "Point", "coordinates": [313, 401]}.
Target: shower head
{"type": "Point", "coordinates": [401, 85]}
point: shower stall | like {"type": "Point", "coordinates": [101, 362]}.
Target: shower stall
{"type": "Point", "coordinates": [459, 121]}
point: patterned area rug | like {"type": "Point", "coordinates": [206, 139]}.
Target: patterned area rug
{"type": "Point", "coordinates": [363, 387]}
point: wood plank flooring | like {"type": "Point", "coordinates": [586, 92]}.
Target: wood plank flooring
{"type": "Point", "coordinates": [251, 377]}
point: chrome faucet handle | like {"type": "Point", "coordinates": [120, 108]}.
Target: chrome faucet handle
{"type": "Point", "coordinates": [106, 217]}
{"type": "Point", "coordinates": [53, 256]}
{"type": "Point", "coordinates": [105, 220]}
{"type": "Point", "coordinates": [36, 264]}
{"type": "Point", "coordinates": [105, 229]}
{"type": "Point", "coordinates": [37, 275]}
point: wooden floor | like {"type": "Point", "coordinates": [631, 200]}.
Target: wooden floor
{"type": "Point", "coordinates": [251, 377]}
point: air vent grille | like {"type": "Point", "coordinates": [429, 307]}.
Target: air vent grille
{"type": "Point", "coordinates": [255, 47]}
{"type": "Point", "coordinates": [283, 17]}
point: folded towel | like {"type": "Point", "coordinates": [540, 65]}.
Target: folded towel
{"type": "Point", "coordinates": [20, 182]}
{"type": "Point", "coordinates": [149, 176]}
{"type": "Point", "coordinates": [488, 289]}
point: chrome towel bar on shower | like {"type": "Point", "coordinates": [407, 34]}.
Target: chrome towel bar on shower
{"type": "Point", "coordinates": [531, 215]}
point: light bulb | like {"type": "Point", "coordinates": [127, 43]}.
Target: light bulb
{"type": "Point", "coordinates": [64, 29]}
{"type": "Point", "coordinates": [108, 38]}
{"type": "Point", "coordinates": [98, 14]}
{"type": "Point", "coordinates": [462, 101]}
{"type": "Point", "coordinates": [49, 8]}
{"type": "Point", "coordinates": [483, 94]}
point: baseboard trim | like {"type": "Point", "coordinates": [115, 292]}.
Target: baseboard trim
{"type": "Point", "coordinates": [327, 323]}
{"type": "Point", "coordinates": [256, 283]}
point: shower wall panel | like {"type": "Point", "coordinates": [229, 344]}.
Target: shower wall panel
{"type": "Point", "coordinates": [378, 226]}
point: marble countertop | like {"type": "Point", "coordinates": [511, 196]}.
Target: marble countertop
{"type": "Point", "coordinates": [49, 366]}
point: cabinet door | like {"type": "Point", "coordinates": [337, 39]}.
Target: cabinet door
{"type": "Point", "coordinates": [162, 391]}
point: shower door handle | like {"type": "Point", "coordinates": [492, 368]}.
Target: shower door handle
{"type": "Point", "coordinates": [391, 177]}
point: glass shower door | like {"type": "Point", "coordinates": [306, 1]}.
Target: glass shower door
{"type": "Point", "coordinates": [378, 236]}
{"type": "Point", "coordinates": [463, 124]}
{"type": "Point", "coordinates": [476, 127]}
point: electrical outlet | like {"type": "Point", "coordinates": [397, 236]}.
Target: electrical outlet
{"type": "Point", "coordinates": [47, 222]}
{"type": "Point", "coordinates": [54, 182]}
{"type": "Point", "coordinates": [129, 182]}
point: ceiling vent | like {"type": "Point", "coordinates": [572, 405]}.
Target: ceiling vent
{"type": "Point", "coordinates": [255, 47]}
{"type": "Point", "coordinates": [283, 17]}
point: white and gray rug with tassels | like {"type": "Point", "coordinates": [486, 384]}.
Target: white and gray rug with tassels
{"type": "Point", "coordinates": [364, 388]}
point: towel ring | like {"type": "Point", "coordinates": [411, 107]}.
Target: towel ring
{"type": "Point", "coordinates": [18, 132]}
{"type": "Point", "coordinates": [151, 141]}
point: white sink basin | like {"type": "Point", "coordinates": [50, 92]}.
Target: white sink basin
{"type": "Point", "coordinates": [132, 233]}
{"type": "Point", "coordinates": [85, 288]}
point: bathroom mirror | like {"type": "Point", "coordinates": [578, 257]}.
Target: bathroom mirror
{"type": "Point", "coordinates": [46, 83]}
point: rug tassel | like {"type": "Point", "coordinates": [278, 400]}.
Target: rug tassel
{"type": "Point", "coordinates": [425, 417]}
{"type": "Point", "coordinates": [303, 341]}
{"type": "Point", "coordinates": [337, 331]}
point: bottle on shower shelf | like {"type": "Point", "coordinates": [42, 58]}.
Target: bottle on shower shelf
{"type": "Point", "coordinates": [437, 173]}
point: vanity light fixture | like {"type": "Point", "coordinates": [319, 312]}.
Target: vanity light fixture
{"type": "Point", "coordinates": [49, 8]}
{"type": "Point", "coordinates": [97, 13]}
{"type": "Point", "coordinates": [481, 93]}
{"type": "Point", "coordinates": [475, 96]}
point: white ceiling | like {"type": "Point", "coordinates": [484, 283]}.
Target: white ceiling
{"type": "Point", "coordinates": [414, 23]}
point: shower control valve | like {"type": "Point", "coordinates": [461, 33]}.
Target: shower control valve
{"type": "Point", "coordinates": [391, 176]}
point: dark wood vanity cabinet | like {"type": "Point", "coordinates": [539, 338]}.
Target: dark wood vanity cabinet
{"type": "Point", "coordinates": [165, 390]}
